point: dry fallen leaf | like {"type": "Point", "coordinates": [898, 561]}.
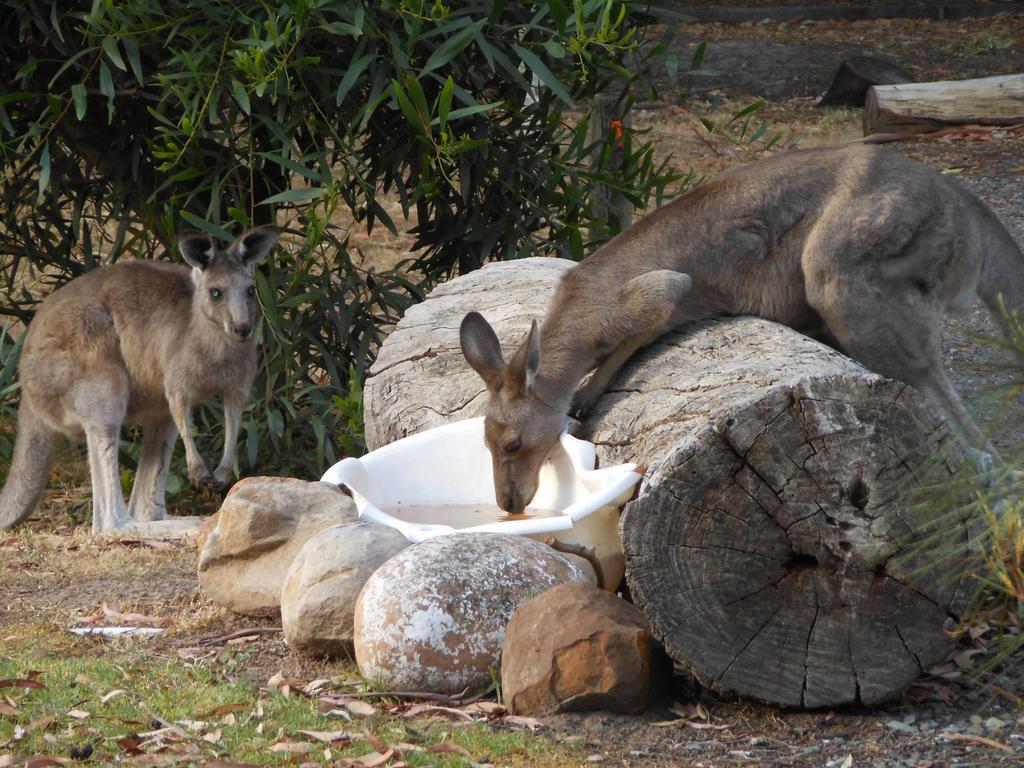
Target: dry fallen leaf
{"type": "Point", "coordinates": [42, 762]}
{"type": "Point", "coordinates": [20, 682]}
{"type": "Point", "coordinates": [132, 619]}
{"type": "Point", "coordinates": [964, 659]}
{"type": "Point", "coordinates": [292, 747]}
{"type": "Point", "coordinates": [522, 722]}
{"type": "Point", "coordinates": [360, 708]}
{"type": "Point", "coordinates": [223, 709]}
{"type": "Point", "coordinates": [491, 708]}
{"type": "Point", "coordinates": [78, 714]}
{"type": "Point", "coordinates": [7, 709]}
{"type": "Point", "coordinates": [447, 746]}
{"type": "Point", "coordinates": [374, 758]}
{"type": "Point", "coordinates": [113, 695]}
{"type": "Point", "coordinates": [327, 736]}
{"type": "Point", "coordinates": [433, 709]}
{"type": "Point", "coordinates": [213, 736]}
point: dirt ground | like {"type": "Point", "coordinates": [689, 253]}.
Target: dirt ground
{"type": "Point", "coordinates": [53, 574]}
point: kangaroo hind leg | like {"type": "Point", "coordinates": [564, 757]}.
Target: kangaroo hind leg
{"type": "Point", "coordinates": [149, 488]}
{"type": "Point", "coordinates": [99, 404]}
{"type": "Point", "coordinates": [648, 307]}
{"type": "Point", "coordinates": [897, 334]}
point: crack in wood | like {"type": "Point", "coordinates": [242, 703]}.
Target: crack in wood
{"type": "Point", "coordinates": [913, 655]}
{"type": "Point", "coordinates": [746, 645]}
{"type": "Point", "coordinates": [807, 645]}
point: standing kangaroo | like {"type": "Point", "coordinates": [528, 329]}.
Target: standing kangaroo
{"type": "Point", "coordinates": [139, 341]}
{"type": "Point", "coordinates": [856, 245]}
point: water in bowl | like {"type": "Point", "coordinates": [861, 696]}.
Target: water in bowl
{"type": "Point", "coordinates": [462, 515]}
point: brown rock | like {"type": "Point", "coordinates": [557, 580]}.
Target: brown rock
{"type": "Point", "coordinates": [318, 599]}
{"type": "Point", "coordinates": [576, 647]}
{"type": "Point", "coordinates": [432, 618]}
{"type": "Point", "coordinates": [261, 526]}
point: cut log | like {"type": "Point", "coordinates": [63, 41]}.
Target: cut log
{"type": "Point", "coordinates": [920, 107]}
{"type": "Point", "coordinates": [768, 545]}
{"type": "Point", "coordinates": [856, 75]}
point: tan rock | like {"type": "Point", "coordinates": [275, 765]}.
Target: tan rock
{"type": "Point", "coordinates": [432, 618]}
{"type": "Point", "coordinates": [260, 527]}
{"type": "Point", "coordinates": [576, 647]}
{"type": "Point", "coordinates": [318, 599]}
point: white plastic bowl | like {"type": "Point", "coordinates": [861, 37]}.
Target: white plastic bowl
{"type": "Point", "coordinates": [450, 466]}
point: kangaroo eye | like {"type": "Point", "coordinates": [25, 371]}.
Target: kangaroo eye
{"type": "Point", "coordinates": [216, 294]}
{"type": "Point", "coordinates": [251, 291]}
{"type": "Point", "coordinates": [512, 445]}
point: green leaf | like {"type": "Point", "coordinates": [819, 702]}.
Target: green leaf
{"type": "Point", "coordinates": [452, 47]}
{"type": "Point", "coordinates": [131, 48]}
{"type": "Point", "coordinates": [78, 93]}
{"type": "Point", "coordinates": [539, 68]}
{"type": "Point", "coordinates": [405, 104]}
{"type": "Point", "coordinates": [205, 226]}
{"type": "Point", "coordinates": [110, 48]}
{"type": "Point", "coordinates": [418, 98]}
{"type": "Point", "coordinates": [355, 69]}
{"type": "Point", "coordinates": [44, 170]}
{"type": "Point", "coordinates": [106, 81]}
{"type": "Point", "coordinates": [7, 98]}
{"type": "Point", "coordinates": [698, 55]}
{"type": "Point", "coordinates": [455, 114]}
{"type": "Point", "coordinates": [301, 194]}
{"type": "Point", "coordinates": [27, 69]}
{"type": "Point", "coordinates": [444, 101]}
{"type": "Point", "coordinates": [555, 49]}
{"type": "Point", "coordinates": [241, 96]}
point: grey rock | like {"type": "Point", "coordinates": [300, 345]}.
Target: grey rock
{"type": "Point", "coordinates": [251, 541]}
{"type": "Point", "coordinates": [318, 599]}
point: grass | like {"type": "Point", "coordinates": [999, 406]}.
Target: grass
{"type": "Point", "coordinates": [116, 700]}
{"type": "Point", "coordinates": [215, 700]}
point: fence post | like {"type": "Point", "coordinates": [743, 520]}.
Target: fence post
{"type": "Point", "coordinates": [610, 120]}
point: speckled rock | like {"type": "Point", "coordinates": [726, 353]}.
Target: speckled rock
{"type": "Point", "coordinates": [318, 598]}
{"type": "Point", "coordinates": [260, 527]}
{"type": "Point", "coordinates": [432, 618]}
{"type": "Point", "coordinates": [576, 647]}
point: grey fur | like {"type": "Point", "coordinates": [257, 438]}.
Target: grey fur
{"type": "Point", "coordinates": [144, 342]}
{"type": "Point", "coordinates": [857, 245]}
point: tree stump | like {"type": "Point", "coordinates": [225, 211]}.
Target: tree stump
{"type": "Point", "coordinates": [856, 75]}
{"type": "Point", "coordinates": [768, 545]}
{"type": "Point", "coordinates": [919, 107]}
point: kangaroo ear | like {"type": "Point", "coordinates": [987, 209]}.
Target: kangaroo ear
{"type": "Point", "coordinates": [525, 365]}
{"type": "Point", "coordinates": [197, 250]}
{"type": "Point", "coordinates": [252, 246]}
{"type": "Point", "coordinates": [481, 349]}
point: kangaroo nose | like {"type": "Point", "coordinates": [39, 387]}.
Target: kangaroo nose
{"type": "Point", "coordinates": [507, 502]}
{"type": "Point", "coordinates": [242, 330]}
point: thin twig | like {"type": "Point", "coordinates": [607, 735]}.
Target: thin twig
{"type": "Point", "coordinates": [580, 551]}
{"type": "Point", "coordinates": [459, 698]}
{"type": "Point", "coordinates": [971, 738]}
{"type": "Point", "coordinates": [217, 640]}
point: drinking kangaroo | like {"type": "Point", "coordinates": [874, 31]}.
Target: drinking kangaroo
{"type": "Point", "coordinates": [139, 341]}
{"type": "Point", "coordinates": [854, 244]}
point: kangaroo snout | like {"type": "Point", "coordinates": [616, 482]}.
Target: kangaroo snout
{"type": "Point", "coordinates": [241, 330]}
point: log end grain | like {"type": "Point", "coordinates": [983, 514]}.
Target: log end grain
{"type": "Point", "coordinates": [775, 556]}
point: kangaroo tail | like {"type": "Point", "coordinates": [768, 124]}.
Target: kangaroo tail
{"type": "Point", "coordinates": [34, 451]}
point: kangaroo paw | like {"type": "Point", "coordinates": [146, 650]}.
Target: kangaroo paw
{"type": "Point", "coordinates": [198, 475]}
{"type": "Point", "coordinates": [222, 477]}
